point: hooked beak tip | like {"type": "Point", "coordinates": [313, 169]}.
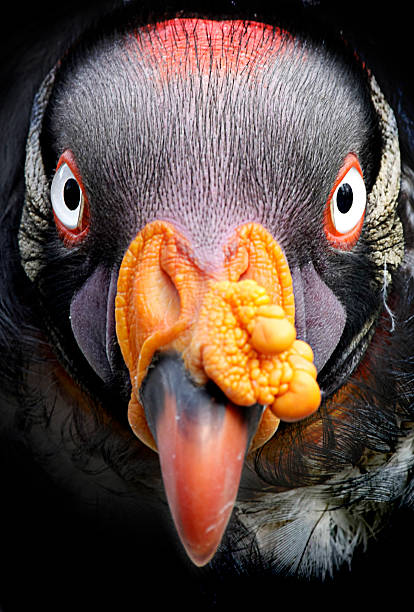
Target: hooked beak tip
{"type": "Point", "coordinates": [202, 442]}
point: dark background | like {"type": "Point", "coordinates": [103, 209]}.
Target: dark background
{"type": "Point", "coordinates": [53, 554]}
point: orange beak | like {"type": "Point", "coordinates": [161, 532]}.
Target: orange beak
{"type": "Point", "coordinates": [226, 366]}
{"type": "Point", "coordinates": [202, 440]}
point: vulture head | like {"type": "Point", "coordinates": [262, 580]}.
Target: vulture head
{"type": "Point", "coordinates": [211, 231]}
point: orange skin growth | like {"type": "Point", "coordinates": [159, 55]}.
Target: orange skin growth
{"type": "Point", "coordinates": [234, 326]}
{"type": "Point", "coordinates": [248, 347]}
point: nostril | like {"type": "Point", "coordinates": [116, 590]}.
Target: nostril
{"type": "Point", "coordinates": [168, 302]}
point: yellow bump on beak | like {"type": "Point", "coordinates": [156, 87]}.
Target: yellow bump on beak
{"type": "Point", "coordinates": [248, 347]}
{"type": "Point", "coordinates": [233, 325]}
{"type": "Point", "coordinates": [272, 334]}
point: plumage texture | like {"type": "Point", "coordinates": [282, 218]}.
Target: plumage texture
{"type": "Point", "coordinates": [348, 484]}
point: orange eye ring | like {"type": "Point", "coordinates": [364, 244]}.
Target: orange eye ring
{"type": "Point", "coordinates": [73, 235]}
{"type": "Point", "coordinates": [346, 240]}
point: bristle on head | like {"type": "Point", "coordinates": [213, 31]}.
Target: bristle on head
{"type": "Point", "coordinates": [206, 45]}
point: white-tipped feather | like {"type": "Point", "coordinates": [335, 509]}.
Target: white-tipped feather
{"type": "Point", "coordinates": [314, 531]}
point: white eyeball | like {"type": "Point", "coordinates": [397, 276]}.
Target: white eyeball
{"type": "Point", "coordinates": [348, 202]}
{"type": "Point", "coordinates": [67, 197]}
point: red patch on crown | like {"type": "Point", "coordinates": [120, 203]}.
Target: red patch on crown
{"type": "Point", "coordinates": [205, 45]}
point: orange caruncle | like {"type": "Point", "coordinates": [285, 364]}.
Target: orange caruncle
{"type": "Point", "coordinates": [249, 349]}
{"type": "Point", "coordinates": [233, 325]}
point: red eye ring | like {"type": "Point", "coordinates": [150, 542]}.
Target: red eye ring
{"type": "Point", "coordinates": [347, 240]}
{"type": "Point", "coordinates": [73, 236]}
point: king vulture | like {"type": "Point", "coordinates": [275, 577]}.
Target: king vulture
{"type": "Point", "coordinates": [206, 306]}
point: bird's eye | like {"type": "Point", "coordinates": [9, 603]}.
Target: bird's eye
{"type": "Point", "coordinates": [348, 201]}
{"type": "Point", "coordinates": [345, 211]}
{"type": "Point", "coordinates": [68, 200]}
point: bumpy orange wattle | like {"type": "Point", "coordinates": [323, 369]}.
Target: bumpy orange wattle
{"type": "Point", "coordinates": [234, 326]}
{"type": "Point", "coordinates": [248, 347]}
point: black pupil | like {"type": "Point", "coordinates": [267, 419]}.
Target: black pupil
{"type": "Point", "coordinates": [344, 198]}
{"type": "Point", "coordinates": [71, 194]}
